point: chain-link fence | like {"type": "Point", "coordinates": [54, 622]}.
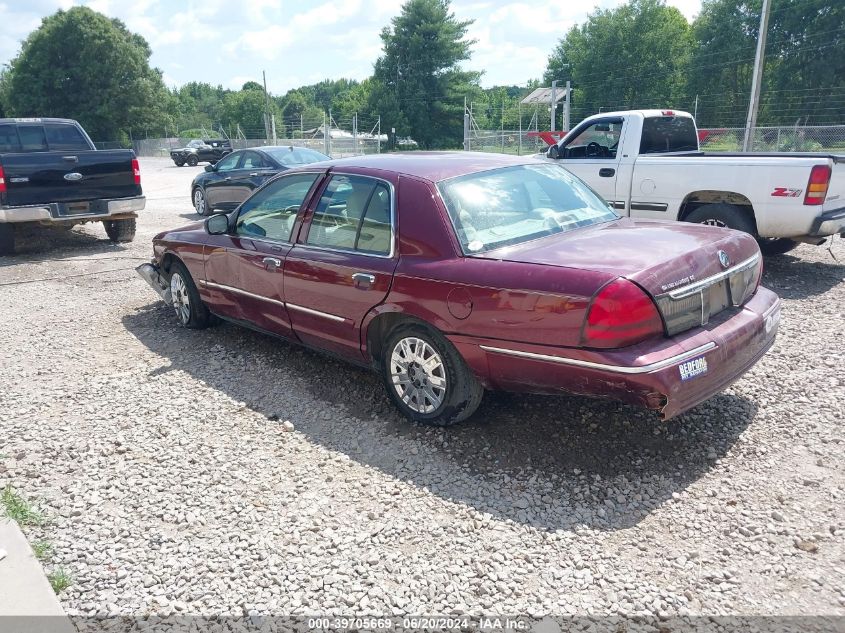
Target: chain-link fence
{"type": "Point", "coordinates": [337, 147]}
{"type": "Point", "coordinates": [519, 142]}
{"type": "Point", "coordinates": [815, 138]}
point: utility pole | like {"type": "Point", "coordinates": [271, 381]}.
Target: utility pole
{"type": "Point", "coordinates": [567, 106]}
{"type": "Point", "coordinates": [757, 79]}
{"type": "Point", "coordinates": [553, 109]}
{"type": "Point", "coordinates": [266, 108]}
{"type": "Point", "coordinates": [695, 110]}
{"type": "Point", "coordinates": [466, 126]}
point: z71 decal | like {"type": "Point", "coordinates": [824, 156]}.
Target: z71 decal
{"type": "Point", "coordinates": [785, 192]}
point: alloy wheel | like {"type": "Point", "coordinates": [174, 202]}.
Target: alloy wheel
{"type": "Point", "coordinates": [418, 374]}
{"type": "Point", "coordinates": [181, 300]}
{"type": "Point", "coordinates": [199, 201]}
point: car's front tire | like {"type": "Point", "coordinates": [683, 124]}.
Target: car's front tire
{"type": "Point", "coordinates": [200, 204]}
{"type": "Point", "coordinates": [193, 161]}
{"type": "Point", "coordinates": [178, 163]}
{"type": "Point", "coordinates": [426, 377]}
{"type": "Point", "coordinates": [185, 299]}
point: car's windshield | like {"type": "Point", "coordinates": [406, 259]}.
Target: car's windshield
{"type": "Point", "coordinates": [196, 143]}
{"type": "Point", "coordinates": [290, 156]}
{"type": "Point", "coordinates": [512, 205]}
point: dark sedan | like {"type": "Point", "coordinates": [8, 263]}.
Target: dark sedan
{"type": "Point", "coordinates": [228, 183]}
{"type": "Point", "coordinates": [451, 273]}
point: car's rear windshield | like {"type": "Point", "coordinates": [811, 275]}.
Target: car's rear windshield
{"type": "Point", "coordinates": [511, 205]}
{"type": "Point", "coordinates": [668, 134]}
{"type": "Point", "coordinates": [291, 156]}
{"type": "Point", "coordinates": [37, 137]}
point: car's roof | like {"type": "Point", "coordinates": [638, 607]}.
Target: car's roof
{"type": "Point", "coordinates": [433, 166]}
{"type": "Point", "coordinates": [36, 120]}
{"type": "Point", "coordinates": [284, 147]}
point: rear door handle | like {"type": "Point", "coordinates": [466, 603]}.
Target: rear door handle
{"type": "Point", "coordinates": [271, 263]}
{"type": "Point", "coordinates": [607, 172]}
{"type": "Point", "coordinates": [253, 174]}
{"type": "Point", "coordinates": [364, 280]}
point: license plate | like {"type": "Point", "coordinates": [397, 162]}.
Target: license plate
{"type": "Point", "coordinates": [77, 208]}
{"type": "Point", "coordinates": [693, 368]}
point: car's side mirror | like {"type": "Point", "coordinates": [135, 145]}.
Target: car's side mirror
{"type": "Point", "coordinates": [554, 152]}
{"type": "Point", "coordinates": [217, 224]}
{"type": "Point", "coordinates": [210, 168]}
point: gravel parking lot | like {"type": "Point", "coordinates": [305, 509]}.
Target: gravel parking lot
{"type": "Point", "coordinates": [166, 462]}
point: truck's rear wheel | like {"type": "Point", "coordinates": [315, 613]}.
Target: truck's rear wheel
{"type": "Point", "coordinates": [7, 239]}
{"type": "Point", "coordinates": [120, 230]}
{"type": "Point", "coordinates": [776, 245]}
{"type": "Point", "coordinates": [724, 215]}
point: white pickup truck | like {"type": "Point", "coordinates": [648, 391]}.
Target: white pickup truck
{"type": "Point", "coordinates": [647, 164]}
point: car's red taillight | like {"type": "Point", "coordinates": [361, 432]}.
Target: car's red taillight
{"type": "Point", "coordinates": [2, 180]}
{"type": "Point", "coordinates": [817, 185]}
{"type": "Point", "coordinates": [136, 169]}
{"type": "Point", "coordinates": [620, 314]}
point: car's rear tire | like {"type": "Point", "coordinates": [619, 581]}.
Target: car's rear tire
{"type": "Point", "coordinates": [776, 245]}
{"type": "Point", "coordinates": [7, 239]}
{"type": "Point", "coordinates": [723, 215]}
{"type": "Point", "coordinates": [193, 161]}
{"type": "Point", "coordinates": [120, 230]}
{"type": "Point", "coordinates": [199, 201]}
{"type": "Point", "coordinates": [426, 377]}
{"type": "Point", "coordinates": [185, 299]}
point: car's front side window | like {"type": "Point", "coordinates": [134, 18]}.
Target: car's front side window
{"type": "Point", "coordinates": [353, 214]}
{"type": "Point", "coordinates": [599, 140]}
{"type": "Point", "coordinates": [271, 212]}
{"type": "Point", "coordinates": [229, 162]}
{"type": "Point", "coordinates": [507, 206]}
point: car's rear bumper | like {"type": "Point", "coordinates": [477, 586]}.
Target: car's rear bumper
{"type": "Point", "coordinates": [829, 223]}
{"type": "Point", "coordinates": [64, 212]}
{"type": "Point", "coordinates": [670, 376]}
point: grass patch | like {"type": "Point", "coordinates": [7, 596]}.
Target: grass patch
{"type": "Point", "coordinates": [43, 550]}
{"type": "Point", "coordinates": [19, 509]}
{"type": "Point", "coordinates": [59, 580]}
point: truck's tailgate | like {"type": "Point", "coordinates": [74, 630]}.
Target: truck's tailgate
{"type": "Point", "coordinates": [44, 177]}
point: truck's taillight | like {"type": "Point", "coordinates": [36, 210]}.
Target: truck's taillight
{"type": "Point", "coordinates": [136, 169]}
{"type": "Point", "coordinates": [2, 180]}
{"type": "Point", "coordinates": [620, 314]}
{"type": "Point", "coordinates": [817, 185]}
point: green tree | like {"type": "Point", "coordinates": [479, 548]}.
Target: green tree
{"type": "Point", "coordinates": [418, 84]}
{"type": "Point", "coordinates": [252, 85]}
{"type": "Point", "coordinates": [796, 86]}
{"type": "Point", "coordinates": [246, 108]}
{"type": "Point", "coordinates": [82, 65]}
{"type": "Point", "coordinates": [633, 56]}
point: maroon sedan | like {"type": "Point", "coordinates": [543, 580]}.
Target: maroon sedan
{"type": "Point", "coordinates": [450, 273]}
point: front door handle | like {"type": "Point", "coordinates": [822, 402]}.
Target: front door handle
{"type": "Point", "coordinates": [271, 263]}
{"type": "Point", "coordinates": [227, 178]}
{"type": "Point", "coordinates": [607, 172]}
{"type": "Point", "coordinates": [363, 280]}
{"type": "Point", "coordinates": [253, 174]}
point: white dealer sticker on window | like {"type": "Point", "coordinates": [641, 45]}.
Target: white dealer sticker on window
{"type": "Point", "coordinates": [693, 368]}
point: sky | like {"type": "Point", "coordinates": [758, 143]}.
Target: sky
{"type": "Point", "coordinates": [299, 43]}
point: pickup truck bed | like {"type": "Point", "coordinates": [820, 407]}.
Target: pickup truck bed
{"type": "Point", "coordinates": [50, 174]}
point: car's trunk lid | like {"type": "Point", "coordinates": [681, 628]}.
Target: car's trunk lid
{"type": "Point", "coordinates": [692, 271]}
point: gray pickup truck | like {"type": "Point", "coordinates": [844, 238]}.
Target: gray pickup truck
{"type": "Point", "coordinates": [52, 175]}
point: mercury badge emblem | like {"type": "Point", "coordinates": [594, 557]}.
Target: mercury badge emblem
{"type": "Point", "coordinates": [74, 175]}
{"type": "Point", "coordinates": [724, 260]}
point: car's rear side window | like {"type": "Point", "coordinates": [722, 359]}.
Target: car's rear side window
{"type": "Point", "coordinates": [9, 138]}
{"type": "Point", "coordinates": [63, 137]}
{"type": "Point", "coordinates": [32, 138]}
{"type": "Point", "coordinates": [668, 134]}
